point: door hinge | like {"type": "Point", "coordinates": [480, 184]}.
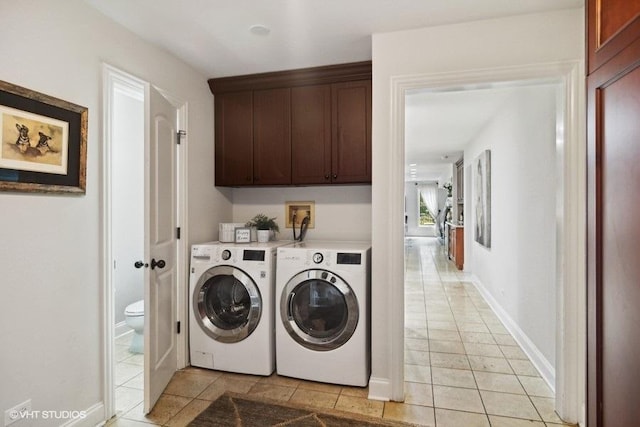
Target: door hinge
{"type": "Point", "coordinates": [180, 134]}
{"type": "Point", "coordinates": [178, 327]}
{"type": "Point", "coordinates": [178, 233]}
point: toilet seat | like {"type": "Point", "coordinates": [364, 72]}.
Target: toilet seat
{"type": "Point", "coordinates": [135, 309]}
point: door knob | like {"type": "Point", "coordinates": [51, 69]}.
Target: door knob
{"type": "Point", "coordinates": [140, 264]}
{"type": "Point", "coordinates": [160, 263]}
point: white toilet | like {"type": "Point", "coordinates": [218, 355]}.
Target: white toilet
{"type": "Point", "coordinates": [134, 318]}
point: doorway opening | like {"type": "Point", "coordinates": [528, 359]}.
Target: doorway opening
{"type": "Point", "coordinates": [144, 199]}
{"type": "Point", "coordinates": [569, 222]}
{"type": "Point", "coordinates": [125, 143]}
{"type": "Point", "coordinates": [451, 294]}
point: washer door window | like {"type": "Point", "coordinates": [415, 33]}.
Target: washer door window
{"type": "Point", "coordinates": [227, 304]}
{"type": "Point", "coordinates": [319, 310]}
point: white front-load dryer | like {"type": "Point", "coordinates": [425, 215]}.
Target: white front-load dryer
{"type": "Point", "coordinates": [231, 316]}
{"type": "Point", "coordinates": [323, 312]}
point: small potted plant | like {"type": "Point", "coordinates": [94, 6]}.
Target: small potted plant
{"type": "Point", "coordinates": [265, 227]}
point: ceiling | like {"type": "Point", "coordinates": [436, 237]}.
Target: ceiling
{"type": "Point", "coordinates": [439, 125]}
{"type": "Point", "coordinates": [214, 37]}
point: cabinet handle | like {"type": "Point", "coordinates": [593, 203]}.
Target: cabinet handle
{"type": "Point", "coordinates": [256, 179]}
{"type": "Point", "coordinates": [326, 176]}
{"type": "Point", "coordinates": [335, 176]}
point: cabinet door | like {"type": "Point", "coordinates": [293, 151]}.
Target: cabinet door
{"type": "Point", "coordinates": [311, 134]}
{"type": "Point", "coordinates": [351, 132]}
{"type": "Point", "coordinates": [612, 26]}
{"type": "Point", "coordinates": [613, 232]}
{"type": "Point", "coordinates": [234, 138]}
{"type": "Point", "coordinates": [453, 242]}
{"type": "Point", "coordinates": [272, 136]}
{"type": "Point", "coordinates": [460, 181]}
{"type": "Point", "coordinates": [459, 254]}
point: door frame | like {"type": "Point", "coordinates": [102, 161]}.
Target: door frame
{"type": "Point", "coordinates": [111, 76]}
{"type": "Point", "coordinates": [571, 223]}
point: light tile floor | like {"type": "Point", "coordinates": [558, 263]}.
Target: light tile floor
{"type": "Point", "coordinates": [462, 368]}
{"type": "Point", "coordinates": [129, 377]}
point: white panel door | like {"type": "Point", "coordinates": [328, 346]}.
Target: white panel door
{"type": "Point", "coordinates": [160, 359]}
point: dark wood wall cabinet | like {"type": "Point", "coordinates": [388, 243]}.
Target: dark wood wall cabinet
{"type": "Point", "coordinates": [613, 270]}
{"type": "Point", "coordinates": [234, 138]}
{"type": "Point", "coordinates": [298, 127]}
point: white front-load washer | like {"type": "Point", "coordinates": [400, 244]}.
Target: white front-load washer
{"type": "Point", "coordinates": [231, 320]}
{"type": "Point", "coordinates": [323, 312]}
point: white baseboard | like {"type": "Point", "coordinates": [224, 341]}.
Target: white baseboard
{"type": "Point", "coordinates": [121, 329]}
{"type": "Point", "coordinates": [546, 370]}
{"type": "Point", "coordinates": [379, 389]}
{"type": "Point", "coordinates": [93, 416]}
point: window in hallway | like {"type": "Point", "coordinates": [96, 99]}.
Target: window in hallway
{"type": "Point", "coordinates": [425, 217]}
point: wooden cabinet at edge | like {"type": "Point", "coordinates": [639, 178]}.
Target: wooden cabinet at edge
{"type": "Point", "coordinates": [613, 155]}
{"type": "Point", "coordinates": [304, 133]}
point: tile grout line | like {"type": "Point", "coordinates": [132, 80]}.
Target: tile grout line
{"type": "Point", "coordinates": [483, 321]}
{"type": "Point", "coordinates": [477, 388]}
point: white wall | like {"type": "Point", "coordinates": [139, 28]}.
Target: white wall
{"type": "Point", "coordinates": [341, 213]}
{"type": "Point", "coordinates": [413, 55]}
{"type": "Point", "coordinates": [51, 303]}
{"type": "Point", "coordinates": [519, 270]}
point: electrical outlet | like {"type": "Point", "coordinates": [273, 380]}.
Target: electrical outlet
{"type": "Point", "coordinates": [16, 413]}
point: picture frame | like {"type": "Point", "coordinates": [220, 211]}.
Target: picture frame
{"type": "Point", "coordinates": [482, 198]}
{"type": "Point", "coordinates": [301, 209]}
{"type": "Point", "coordinates": [43, 142]}
{"type": "Point", "coordinates": [242, 235]}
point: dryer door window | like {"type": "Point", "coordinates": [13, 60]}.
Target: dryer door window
{"type": "Point", "coordinates": [227, 304]}
{"type": "Point", "coordinates": [319, 310]}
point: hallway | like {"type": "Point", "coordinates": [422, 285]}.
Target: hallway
{"type": "Point", "coordinates": [459, 358]}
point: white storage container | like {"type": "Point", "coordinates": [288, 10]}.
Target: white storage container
{"type": "Point", "coordinates": [226, 231]}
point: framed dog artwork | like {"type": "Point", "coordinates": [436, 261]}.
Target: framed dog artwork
{"type": "Point", "coordinates": [43, 142]}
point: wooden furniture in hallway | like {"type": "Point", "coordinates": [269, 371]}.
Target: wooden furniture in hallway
{"type": "Point", "coordinates": [456, 244]}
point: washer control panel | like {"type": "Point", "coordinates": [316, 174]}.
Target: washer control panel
{"type": "Point", "coordinates": [201, 252]}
